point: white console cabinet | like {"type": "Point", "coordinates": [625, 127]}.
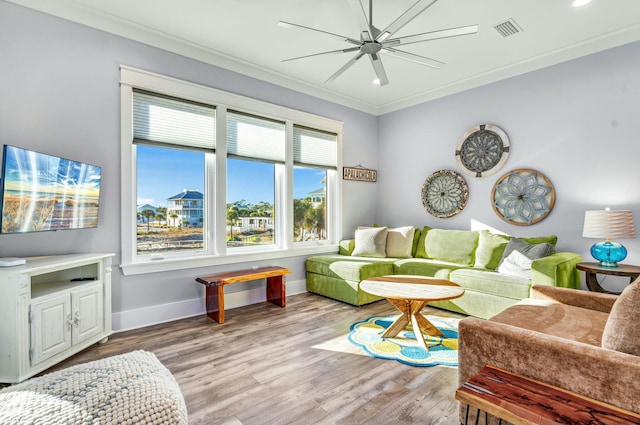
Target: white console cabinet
{"type": "Point", "coordinates": [51, 308]}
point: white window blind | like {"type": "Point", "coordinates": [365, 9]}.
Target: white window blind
{"type": "Point", "coordinates": [166, 120]}
{"type": "Point", "coordinates": [252, 137]}
{"type": "Point", "coordinates": [314, 147]}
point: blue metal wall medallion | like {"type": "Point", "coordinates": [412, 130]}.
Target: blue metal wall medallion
{"type": "Point", "coordinates": [523, 197]}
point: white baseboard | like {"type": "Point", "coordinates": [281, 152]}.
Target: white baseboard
{"type": "Point", "coordinates": [147, 316]}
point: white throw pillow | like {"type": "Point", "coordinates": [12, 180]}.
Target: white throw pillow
{"type": "Point", "coordinates": [370, 242]}
{"type": "Point", "coordinates": [400, 242]}
{"type": "Point", "coordinates": [516, 264]}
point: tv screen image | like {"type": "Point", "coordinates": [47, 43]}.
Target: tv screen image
{"type": "Point", "coordinates": [43, 192]}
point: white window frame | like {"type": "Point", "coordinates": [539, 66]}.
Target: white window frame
{"type": "Point", "coordinates": [215, 188]}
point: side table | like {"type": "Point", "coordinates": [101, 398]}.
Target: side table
{"type": "Point", "coordinates": [592, 269]}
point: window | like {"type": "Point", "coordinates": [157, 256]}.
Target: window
{"type": "Point", "coordinates": [209, 177]}
{"type": "Point", "coordinates": [255, 145]}
{"type": "Point", "coordinates": [314, 155]}
{"type": "Point", "coordinates": [171, 138]}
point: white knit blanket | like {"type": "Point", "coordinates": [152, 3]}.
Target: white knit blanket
{"type": "Point", "coordinates": [132, 388]}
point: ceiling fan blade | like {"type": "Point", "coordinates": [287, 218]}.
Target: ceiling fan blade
{"type": "Point", "coordinates": [345, 67]}
{"type": "Point", "coordinates": [361, 16]}
{"type": "Point", "coordinates": [381, 75]}
{"type": "Point", "coordinates": [284, 24]}
{"type": "Point", "coordinates": [434, 35]}
{"type": "Point", "coordinates": [412, 57]}
{"type": "Point", "coordinates": [350, 49]}
{"type": "Point", "coordinates": [411, 13]}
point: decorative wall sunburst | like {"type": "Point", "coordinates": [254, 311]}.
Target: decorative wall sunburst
{"type": "Point", "coordinates": [444, 193]}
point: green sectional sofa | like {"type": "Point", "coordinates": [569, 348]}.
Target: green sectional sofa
{"type": "Point", "coordinates": [485, 264]}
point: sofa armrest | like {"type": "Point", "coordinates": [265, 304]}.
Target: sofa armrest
{"type": "Point", "coordinates": [558, 269]}
{"type": "Point", "coordinates": [605, 375]}
{"type": "Point", "coordinates": [585, 299]}
{"type": "Point", "coordinates": [346, 246]}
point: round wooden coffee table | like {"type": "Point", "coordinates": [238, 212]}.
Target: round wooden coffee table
{"type": "Point", "coordinates": [409, 294]}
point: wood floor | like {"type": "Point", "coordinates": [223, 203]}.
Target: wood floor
{"type": "Point", "coordinates": [270, 365]}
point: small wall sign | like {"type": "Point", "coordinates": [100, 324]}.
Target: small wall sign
{"type": "Point", "coordinates": [359, 174]}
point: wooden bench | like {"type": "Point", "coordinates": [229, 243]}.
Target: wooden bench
{"type": "Point", "coordinates": [276, 287]}
{"type": "Point", "coordinates": [522, 400]}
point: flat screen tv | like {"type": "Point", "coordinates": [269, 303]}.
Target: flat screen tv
{"type": "Point", "coordinates": [43, 192]}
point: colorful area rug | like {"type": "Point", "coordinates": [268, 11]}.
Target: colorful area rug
{"type": "Point", "coordinates": [443, 350]}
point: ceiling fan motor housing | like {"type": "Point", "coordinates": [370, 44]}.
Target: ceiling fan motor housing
{"type": "Point", "coordinates": [370, 47]}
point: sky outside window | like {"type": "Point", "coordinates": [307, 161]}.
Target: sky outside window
{"type": "Point", "coordinates": [165, 172]}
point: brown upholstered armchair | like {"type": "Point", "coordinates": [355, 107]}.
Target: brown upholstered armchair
{"type": "Point", "coordinates": [556, 337]}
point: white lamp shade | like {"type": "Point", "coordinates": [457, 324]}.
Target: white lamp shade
{"type": "Point", "coordinates": [610, 224]}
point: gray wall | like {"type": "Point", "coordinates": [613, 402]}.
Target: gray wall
{"type": "Point", "coordinates": [59, 85]}
{"type": "Point", "coordinates": [575, 122]}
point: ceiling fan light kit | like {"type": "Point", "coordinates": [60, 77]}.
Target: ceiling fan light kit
{"type": "Point", "coordinates": [373, 42]}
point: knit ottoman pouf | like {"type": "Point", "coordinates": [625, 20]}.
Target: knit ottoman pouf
{"type": "Point", "coordinates": [132, 388]}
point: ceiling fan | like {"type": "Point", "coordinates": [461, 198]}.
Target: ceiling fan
{"type": "Point", "coordinates": [373, 41]}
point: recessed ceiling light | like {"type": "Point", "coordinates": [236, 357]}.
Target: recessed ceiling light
{"type": "Point", "coordinates": [376, 82]}
{"type": "Point", "coordinates": [578, 3]}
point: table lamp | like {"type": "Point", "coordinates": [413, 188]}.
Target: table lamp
{"type": "Point", "coordinates": [608, 224]}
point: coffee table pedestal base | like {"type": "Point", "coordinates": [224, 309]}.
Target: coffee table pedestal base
{"type": "Point", "coordinates": [410, 310]}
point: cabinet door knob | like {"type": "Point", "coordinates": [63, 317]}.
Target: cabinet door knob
{"type": "Point", "coordinates": [76, 318]}
{"type": "Point", "coordinates": [69, 321]}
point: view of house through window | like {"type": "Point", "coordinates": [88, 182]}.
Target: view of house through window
{"type": "Point", "coordinates": [250, 214]}
{"type": "Point", "coordinates": [170, 212]}
{"type": "Point", "coordinates": [309, 204]}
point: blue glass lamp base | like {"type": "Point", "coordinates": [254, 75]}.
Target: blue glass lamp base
{"type": "Point", "coordinates": [608, 253]}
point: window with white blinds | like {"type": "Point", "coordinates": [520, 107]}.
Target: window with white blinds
{"type": "Point", "coordinates": [314, 147]}
{"type": "Point", "coordinates": [165, 120]}
{"type": "Point", "coordinates": [252, 137]}
{"type": "Point", "coordinates": [269, 188]}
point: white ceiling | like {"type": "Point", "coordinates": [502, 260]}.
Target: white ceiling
{"type": "Point", "coordinates": [243, 36]}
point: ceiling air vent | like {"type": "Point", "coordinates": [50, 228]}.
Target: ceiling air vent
{"type": "Point", "coordinates": [507, 28]}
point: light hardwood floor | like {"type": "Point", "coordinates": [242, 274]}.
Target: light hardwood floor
{"type": "Point", "coordinates": [271, 365]}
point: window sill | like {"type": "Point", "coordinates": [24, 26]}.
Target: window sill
{"type": "Point", "coordinates": [157, 266]}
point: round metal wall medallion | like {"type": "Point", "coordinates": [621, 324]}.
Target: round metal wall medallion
{"type": "Point", "coordinates": [523, 197]}
{"type": "Point", "coordinates": [483, 150]}
{"type": "Point", "coordinates": [444, 193]}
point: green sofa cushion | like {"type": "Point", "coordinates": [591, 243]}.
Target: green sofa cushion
{"type": "Point", "coordinates": [339, 289]}
{"type": "Point", "coordinates": [416, 239]}
{"type": "Point", "coordinates": [349, 268]}
{"type": "Point", "coordinates": [346, 246]}
{"type": "Point", "coordinates": [551, 239]}
{"type": "Point", "coordinates": [452, 246]}
{"type": "Point", "coordinates": [558, 269]}
{"type": "Point", "coordinates": [490, 249]}
{"type": "Point", "coordinates": [490, 282]}
{"type": "Point", "coordinates": [424, 267]}
{"type": "Point", "coordinates": [420, 251]}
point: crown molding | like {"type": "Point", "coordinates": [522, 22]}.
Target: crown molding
{"type": "Point", "coordinates": [77, 12]}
